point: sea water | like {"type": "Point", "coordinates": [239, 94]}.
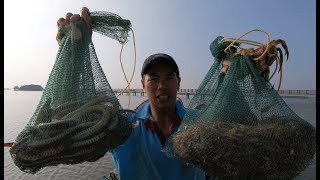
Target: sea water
{"type": "Point", "coordinates": [19, 106]}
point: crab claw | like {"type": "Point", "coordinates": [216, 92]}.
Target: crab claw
{"type": "Point", "coordinates": [285, 47]}
{"type": "Point", "coordinates": [280, 59]}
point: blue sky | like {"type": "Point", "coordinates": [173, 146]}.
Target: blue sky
{"type": "Point", "coordinates": [182, 28]}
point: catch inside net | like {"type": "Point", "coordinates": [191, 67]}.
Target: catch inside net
{"type": "Point", "coordinates": [237, 124]}
{"type": "Point", "coordinates": [78, 117]}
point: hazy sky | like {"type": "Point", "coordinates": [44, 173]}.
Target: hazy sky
{"type": "Point", "coordinates": [182, 28]}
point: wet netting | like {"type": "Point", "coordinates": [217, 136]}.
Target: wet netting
{"type": "Point", "coordinates": [237, 125]}
{"type": "Point", "coordinates": [78, 117]}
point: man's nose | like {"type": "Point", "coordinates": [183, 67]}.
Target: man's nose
{"type": "Point", "coordinates": [163, 83]}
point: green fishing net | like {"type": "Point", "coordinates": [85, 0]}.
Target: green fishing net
{"type": "Point", "coordinates": [78, 117]}
{"type": "Point", "coordinates": [237, 125]}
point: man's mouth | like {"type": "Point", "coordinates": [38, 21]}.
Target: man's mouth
{"type": "Point", "coordinates": [163, 97]}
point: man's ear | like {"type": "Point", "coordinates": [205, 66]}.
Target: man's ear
{"type": "Point", "coordinates": [179, 80]}
{"type": "Point", "coordinates": [142, 82]}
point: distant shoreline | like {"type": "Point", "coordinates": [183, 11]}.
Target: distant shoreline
{"type": "Point", "coordinates": [30, 87]}
{"type": "Point", "coordinates": [299, 95]}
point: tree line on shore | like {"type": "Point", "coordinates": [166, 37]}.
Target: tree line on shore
{"type": "Point", "coordinates": [31, 87]}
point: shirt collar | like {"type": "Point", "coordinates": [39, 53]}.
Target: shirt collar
{"type": "Point", "coordinates": [144, 112]}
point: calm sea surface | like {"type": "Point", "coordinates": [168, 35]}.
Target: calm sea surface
{"type": "Point", "coordinates": [19, 106]}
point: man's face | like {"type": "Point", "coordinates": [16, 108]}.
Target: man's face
{"type": "Point", "coordinates": [161, 85]}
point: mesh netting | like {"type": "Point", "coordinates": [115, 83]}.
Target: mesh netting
{"type": "Point", "coordinates": [237, 125]}
{"type": "Point", "coordinates": [78, 117]}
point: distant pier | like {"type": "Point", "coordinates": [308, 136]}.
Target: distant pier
{"type": "Point", "coordinates": [191, 92]}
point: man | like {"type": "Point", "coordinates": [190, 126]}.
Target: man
{"type": "Point", "coordinates": [141, 156]}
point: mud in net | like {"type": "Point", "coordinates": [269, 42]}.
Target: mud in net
{"type": "Point", "coordinates": [237, 125]}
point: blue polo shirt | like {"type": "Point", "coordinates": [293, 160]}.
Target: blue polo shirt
{"type": "Point", "coordinates": [140, 157]}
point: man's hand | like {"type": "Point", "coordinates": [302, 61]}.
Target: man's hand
{"type": "Point", "coordinates": [64, 24]}
{"type": "Point", "coordinates": [225, 66]}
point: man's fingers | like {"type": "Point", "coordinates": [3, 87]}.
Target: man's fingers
{"type": "Point", "coordinates": [74, 18]}
{"type": "Point", "coordinates": [68, 16]}
{"type": "Point", "coordinates": [61, 22]}
{"type": "Point", "coordinates": [225, 66]}
{"type": "Point", "coordinates": [84, 10]}
{"type": "Point", "coordinates": [227, 62]}
{"type": "Point", "coordinates": [85, 14]}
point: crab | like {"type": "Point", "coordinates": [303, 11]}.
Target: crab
{"type": "Point", "coordinates": [265, 55]}
{"type": "Point", "coordinates": [267, 58]}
